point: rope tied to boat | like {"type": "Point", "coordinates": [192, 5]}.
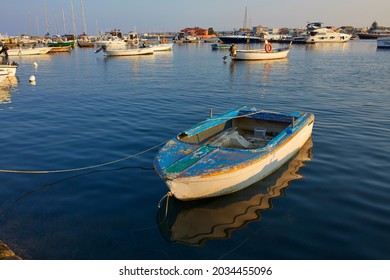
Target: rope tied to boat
{"type": "Point", "coordinates": [80, 168]}
{"type": "Point", "coordinates": [167, 196]}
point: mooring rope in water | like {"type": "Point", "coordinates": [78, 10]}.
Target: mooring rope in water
{"type": "Point", "coordinates": [80, 168]}
{"type": "Point", "coordinates": [167, 196]}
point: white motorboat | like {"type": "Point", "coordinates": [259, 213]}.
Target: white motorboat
{"type": "Point", "coordinates": [383, 43]}
{"type": "Point", "coordinates": [262, 54]}
{"type": "Point", "coordinates": [162, 47]}
{"type": "Point", "coordinates": [10, 68]}
{"type": "Point", "coordinates": [29, 51]}
{"type": "Point", "coordinates": [318, 34]}
{"type": "Point", "coordinates": [112, 39]}
{"type": "Point", "coordinates": [112, 42]}
{"type": "Point", "coordinates": [125, 51]}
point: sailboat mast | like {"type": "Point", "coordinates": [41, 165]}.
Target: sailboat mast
{"type": "Point", "coordinates": [245, 20]}
{"type": "Point", "coordinates": [74, 21]}
{"type": "Point", "coordinates": [47, 20]}
{"type": "Point", "coordinates": [83, 15]}
{"type": "Point", "coordinates": [36, 18]}
{"type": "Point", "coordinates": [63, 20]}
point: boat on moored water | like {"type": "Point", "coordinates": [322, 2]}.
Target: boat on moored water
{"type": "Point", "coordinates": [60, 49]}
{"type": "Point", "coordinates": [84, 41]}
{"type": "Point", "coordinates": [383, 43]}
{"type": "Point", "coordinates": [26, 51]}
{"type": "Point", "coordinates": [240, 38]}
{"type": "Point", "coordinates": [125, 51]}
{"type": "Point", "coordinates": [268, 53]}
{"type": "Point", "coordinates": [161, 47]}
{"type": "Point", "coordinates": [113, 38]}
{"type": "Point", "coordinates": [225, 154]}
{"type": "Point", "coordinates": [9, 67]}
{"type": "Point", "coordinates": [58, 41]}
{"type": "Point", "coordinates": [217, 46]}
{"type": "Point", "coordinates": [316, 33]}
{"type": "Point", "coordinates": [374, 34]}
{"type": "Point", "coordinates": [3, 75]}
{"type": "Point", "coordinates": [229, 213]}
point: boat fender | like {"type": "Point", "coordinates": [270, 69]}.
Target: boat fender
{"type": "Point", "coordinates": [135, 41]}
{"type": "Point", "coordinates": [268, 48]}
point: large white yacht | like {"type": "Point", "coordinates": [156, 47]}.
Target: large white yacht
{"type": "Point", "coordinates": [318, 34]}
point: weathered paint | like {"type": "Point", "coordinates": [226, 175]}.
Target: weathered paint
{"type": "Point", "coordinates": [189, 160]}
{"type": "Point", "coordinates": [185, 164]}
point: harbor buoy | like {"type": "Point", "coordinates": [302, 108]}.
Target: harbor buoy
{"type": "Point", "coordinates": [32, 80]}
{"type": "Point", "coordinates": [35, 65]}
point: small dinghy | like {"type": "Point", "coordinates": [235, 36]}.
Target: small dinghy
{"type": "Point", "coordinates": [230, 152]}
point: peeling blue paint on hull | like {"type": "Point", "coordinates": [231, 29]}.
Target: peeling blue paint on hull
{"type": "Point", "coordinates": [198, 163]}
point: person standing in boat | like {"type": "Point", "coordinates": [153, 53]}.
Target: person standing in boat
{"type": "Point", "coordinates": [233, 49]}
{"type": "Point", "coordinates": [4, 50]}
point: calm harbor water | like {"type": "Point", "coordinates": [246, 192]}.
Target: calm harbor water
{"type": "Point", "coordinates": [330, 202]}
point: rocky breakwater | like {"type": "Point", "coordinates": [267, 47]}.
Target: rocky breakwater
{"type": "Point", "coordinates": [6, 253]}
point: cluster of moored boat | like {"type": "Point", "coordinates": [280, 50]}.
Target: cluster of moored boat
{"type": "Point", "coordinates": [230, 152]}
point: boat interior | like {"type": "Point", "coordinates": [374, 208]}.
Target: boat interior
{"type": "Point", "coordinates": [240, 133]}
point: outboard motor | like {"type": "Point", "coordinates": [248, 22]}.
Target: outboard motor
{"type": "Point", "coordinates": [102, 48]}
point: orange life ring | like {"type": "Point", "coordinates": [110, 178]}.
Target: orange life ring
{"type": "Point", "coordinates": [268, 48]}
{"type": "Point", "coordinates": [164, 40]}
{"type": "Point", "coordinates": [135, 41]}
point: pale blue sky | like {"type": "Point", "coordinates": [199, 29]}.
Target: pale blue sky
{"type": "Point", "coordinates": [22, 16]}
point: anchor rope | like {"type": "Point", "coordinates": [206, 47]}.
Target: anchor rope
{"type": "Point", "coordinates": [80, 168]}
{"type": "Point", "coordinates": [114, 161]}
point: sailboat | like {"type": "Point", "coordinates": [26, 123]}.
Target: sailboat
{"type": "Point", "coordinates": [83, 40]}
{"type": "Point", "coordinates": [241, 37]}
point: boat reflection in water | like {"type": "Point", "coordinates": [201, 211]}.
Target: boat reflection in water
{"type": "Point", "coordinates": [5, 89]}
{"type": "Point", "coordinates": [195, 222]}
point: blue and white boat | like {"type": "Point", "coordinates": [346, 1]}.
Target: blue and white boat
{"type": "Point", "coordinates": [383, 43]}
{"type": "Point", "coordinates": [240, 38]}
{"type": "Point", "coordinates": [225, 154]}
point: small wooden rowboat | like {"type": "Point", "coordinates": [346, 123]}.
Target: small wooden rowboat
{"type": "Point", "coordinates": [230, 152]}
{"type": "Point", "coordinates": [262, 54]}
{"type": "Point", "coordinates": [229, 213]}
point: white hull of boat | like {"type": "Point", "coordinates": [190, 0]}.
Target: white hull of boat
{"type": "Point", "coordinates": [260, 54]}
{"type": "Point", "coordinates": [31, 51]}
{"type": "Point", "coordinates": [162, 47]}
{"type": "Point", "coordinates": [129, 52]}
{"type": "Point", "coordinates": [383, 43]}
{"type": "Point", "coordinates": [111, 44]}
{"type": "Point", "coordinates": [226, 183]}
{"type": "Point", "coordinates": [10, 69]}
{"type": "Point", "coordinates": [324, 35]}
{"type": "Point", "coordinates": [3, 75]}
